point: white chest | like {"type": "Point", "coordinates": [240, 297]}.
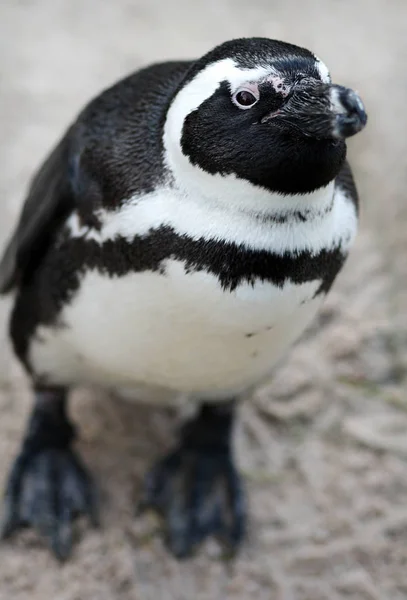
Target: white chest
{"type": "Point", "coordinates": [178, 331]}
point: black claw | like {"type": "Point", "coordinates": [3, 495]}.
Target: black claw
{"type": "Point", "coordinates": [237, 501]}
{"type": "Point", "coordinates": [197, 491]}
{"type": "Point", "coordinates": [9, 522]}
{"type": "Point", "coordinates": [200, 496]}
{"type": "Point", "coordinates": [47, 493]}
{"type": "Point", "coordinates": [48, 485]}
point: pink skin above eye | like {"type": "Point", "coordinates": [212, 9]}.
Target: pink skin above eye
{"type": "Point", "coordinates": [278, 84]}
{"type": "Point", "coordinates": [250, 87]}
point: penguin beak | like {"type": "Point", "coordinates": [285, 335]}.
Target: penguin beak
{"type": "Point", "coordinates": [350, 114]}
{"type": "Point", "coordinates": [322, 111]}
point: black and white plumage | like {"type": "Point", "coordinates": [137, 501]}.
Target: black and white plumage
{"type": "Point", "coordinates": [177, 241]}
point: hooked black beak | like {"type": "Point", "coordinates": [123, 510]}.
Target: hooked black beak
{"type": "Point", "coordinates": [322, 111]}
{"type": "Point", "coordinates": [350, 117]}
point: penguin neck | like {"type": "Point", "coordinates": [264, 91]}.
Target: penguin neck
{"type": "Point", "coordinates": [236, 195]}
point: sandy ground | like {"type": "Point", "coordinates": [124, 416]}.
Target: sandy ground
{"type": "Point", "coordinates": [323, 448]}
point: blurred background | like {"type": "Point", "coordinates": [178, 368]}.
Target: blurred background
{"type": "Point", "coordinates": [323, 447]}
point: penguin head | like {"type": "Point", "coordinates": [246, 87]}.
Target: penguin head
{"type": "Point", "coordinates": [260, 112]}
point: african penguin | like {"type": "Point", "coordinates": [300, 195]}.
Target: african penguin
{"type": "Point", "coordinates": [175, 243]}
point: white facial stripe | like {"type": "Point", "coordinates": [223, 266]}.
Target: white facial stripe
{"type": "Point", "coordinates": [201, 88]}
{"type": "Point", "coordinates": [191, 179]}
{"type": "Point", "coordinates": [196, 218]}
{"type": "Point", "coordinates": [323, 70]}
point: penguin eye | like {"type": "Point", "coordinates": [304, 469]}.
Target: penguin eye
{"type": "Point", "coordinates": [244, 98]}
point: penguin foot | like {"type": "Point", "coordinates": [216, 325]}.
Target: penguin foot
{"type": "Point", "coordinates": [48, 485]}
{"type": "Point", "coordinates": [197, 490]}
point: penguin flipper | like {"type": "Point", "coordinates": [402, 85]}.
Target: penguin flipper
{"type": "Point", "coordinates": [49, 201]}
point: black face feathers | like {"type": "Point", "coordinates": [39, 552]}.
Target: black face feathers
{"type": "Point", "coordinates": [291, 141]}
{"type": "Point", "coordinates": [221, 139]}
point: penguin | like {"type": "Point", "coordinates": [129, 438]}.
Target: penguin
{"type": "Point", "coordinates": [175, 244]}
